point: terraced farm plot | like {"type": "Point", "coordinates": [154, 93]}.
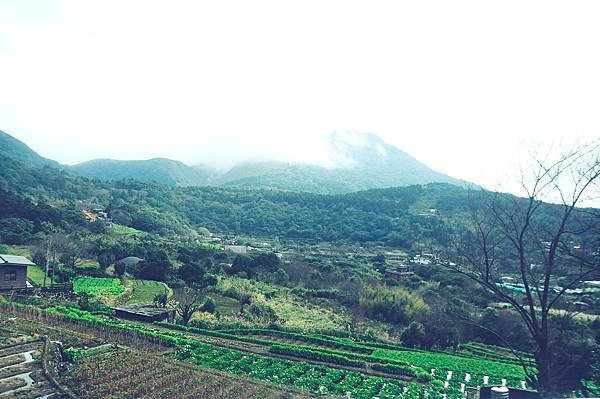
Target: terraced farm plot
{"type": "Point", "coordinates": [495, 353]}
{"type": "Point", "coordinates": [314, 378]}
{"type": "Point", "coordinates": [21, 374]}
{"type": "Point", "coordinates": [315, 363]}
{"type": "Point", "coordinates": [98, 286]}
{"type": "Point", "coordinates": [457, 372]}
{"type": "Point", "coordinates": [132, 374]}
{"type": "Point", "coordinates": [226, 306]}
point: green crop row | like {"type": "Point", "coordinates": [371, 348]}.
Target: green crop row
{"type": "Point", "coordinates": [319, 354]}
{"type": "Point", "coordinates": [316, 378]}
{"type": "Point", "coordinates": [308, 338]}
{"type": "Point", "coordinates": [456, 364]}
{"type": "Point", "coordinates": [98, 286]}
{"type": "Point", "coordinates": [421, 375]}
{"type": "Point", "coordinates": [495, 353]}
{"type": "Point", "coordinates": [310, 354]}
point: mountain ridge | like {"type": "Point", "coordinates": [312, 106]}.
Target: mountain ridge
{"type": "Point", "coordinates": [357, 161]}
{"type": "Point", "coordinates": [14, 148]}
{"type": "Point", "coordinates": [162, 170]}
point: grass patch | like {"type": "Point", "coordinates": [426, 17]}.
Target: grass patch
{"type": "Point", "coordinates": [226, 306]}
{"type": "Point", "coordinates": [144, 291]}
{"type": "Point", "coordinates": [88, 264]}
{"type": "Point", "coordinates": [36, 275]}
{"type": "Point", "coordinates": [210, 245]}
{"type": "Point", "coordinates": [291, 310]}
{"type": "Point", "coordinates": [127, 231]}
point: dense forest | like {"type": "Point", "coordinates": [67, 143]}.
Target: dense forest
{"type": "Point", "coordinates": [385, 215]}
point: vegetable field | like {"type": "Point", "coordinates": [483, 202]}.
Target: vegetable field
{"type": "Point", "coordinates": [98, 286]}
{"type": "Point", "coordinates": [456, 372]}
{"type": "Point", "coordinates": [317, 363]}
{"type": "Point", "coordinates": [132, 374]}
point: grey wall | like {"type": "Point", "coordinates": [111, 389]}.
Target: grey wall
{"type": "Point", "coordinates": [21, 276]}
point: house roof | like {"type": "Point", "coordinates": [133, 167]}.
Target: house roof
{"type": "Point", "coordinates": [15, 260]}
{"type": "Point", "coordinates": [130, 261]}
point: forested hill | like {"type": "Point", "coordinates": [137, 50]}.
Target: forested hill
{"type": "Point", "coordinates": [16, 149]}
{"type": "Point", "coordinates": [391, 215]}
{"type": "Point", "coordinates": [361, 161]}
{"type": "Point", "coordinates": [357, 161]}
{"type": "Point", "coordinates": [161, 170]}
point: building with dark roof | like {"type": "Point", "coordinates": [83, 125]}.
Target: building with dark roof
{"type": "Point", "coordinates": [147, 313]}
{"type": "Point", "coordinates": [13, 271]}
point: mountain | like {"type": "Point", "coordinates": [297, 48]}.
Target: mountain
{"type": "Point", "coordinates": [16, 149]}
{"type": "Point", "coordinates": [359, 161]}
{"type": "Point", "coordinates": [356, 162]}
{"type": "Point", "coordinates": [161, 170]}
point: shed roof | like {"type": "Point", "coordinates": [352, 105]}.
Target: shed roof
{"type": "Point", "coordinates": [144, 310]}
{"type": "Point", "coordinates": [15, 260]}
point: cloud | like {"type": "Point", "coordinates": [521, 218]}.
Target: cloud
{"type": "Point", "coordinates": [459, 85]}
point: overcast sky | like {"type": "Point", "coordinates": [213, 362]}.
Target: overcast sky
{"type": "Point", "coordinates": [461, 85]}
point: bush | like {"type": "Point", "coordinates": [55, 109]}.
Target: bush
{"type": "Point", "coordinates": [414, 335]}
{"type": "Point", "coordinates": [209, 306]}
{"type": "Point", "coordinates": [261, 312]}
{"type": "Point", "coordinates": [391, 304]}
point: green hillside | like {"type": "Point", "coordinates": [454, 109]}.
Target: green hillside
{"type": "Point", "coordinates": [16, 149]}
{"type": "Point", "coordinates": [360, 161]}
{"type": "Point", "coordinates": [161, 170]}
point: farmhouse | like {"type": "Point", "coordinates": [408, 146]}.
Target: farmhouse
{"type": "Point", "coordinates": [13, 271]}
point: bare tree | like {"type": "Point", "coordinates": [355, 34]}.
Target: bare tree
{"type": "Point", "coordinates": [52, 247]}
{"type": "Point", "coordinates": [551, 247]}
{"type": "Point", "coordinates": [189, 302]}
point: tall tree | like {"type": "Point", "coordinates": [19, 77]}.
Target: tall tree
{"type": "Point", "coordinates": [190, 300]}
{"type": "Point", "coordinates": [543, 244]}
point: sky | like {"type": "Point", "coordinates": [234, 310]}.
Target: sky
{"type": "Point", "coordinates": [467, 87]}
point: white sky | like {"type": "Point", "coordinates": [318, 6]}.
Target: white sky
{"type": "Point", "coordinates": [461, 85]}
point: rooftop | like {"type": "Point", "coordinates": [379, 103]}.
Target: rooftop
{"type": "Point", "coordinates": [145, 310]}
{"type": "Point", "coordinates": [14, 260]}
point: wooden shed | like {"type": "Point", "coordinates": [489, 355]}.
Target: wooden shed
{"type": "Point", "coordinates": [13, 271]}
{"type": "Point", "coordinates": [147, 313]}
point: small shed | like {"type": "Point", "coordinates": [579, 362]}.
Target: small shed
{"type": "Point", "coordinates": [147, 313]}
{"type": "Point", "coordinates": [13, 271]}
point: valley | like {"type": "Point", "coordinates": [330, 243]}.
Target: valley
{"type": "Point", "coordinates": [367, 294]}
